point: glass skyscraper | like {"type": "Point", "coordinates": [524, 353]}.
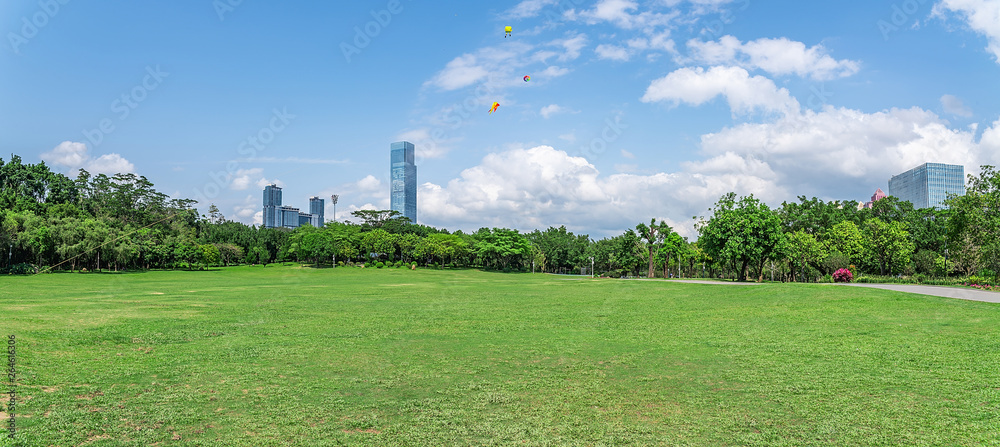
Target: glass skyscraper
{"type": "Point", "coordinates": [272, 201]}
{"type": "Point", "coordinates": [316, 208]}
{"type": "Point", "coordinates": [403, 189]}
{"type": "Point", "coordinates": [928, 185]}
{"type": "Point", "coordinates": [277, 215]}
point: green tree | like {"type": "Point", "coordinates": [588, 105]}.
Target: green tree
{"type": "Point", "coordinates": [887, 245]}
{"type": "Point", "coordinates": [744, 233]}
{"type": "Point", "coordinates": [209, 255]}
{"type": "Point", "coordinates": [652, 235]}
{"type": "Point", "coordinates": [804, 252]}
{"type": "Point", "coordinates": [845, 237]}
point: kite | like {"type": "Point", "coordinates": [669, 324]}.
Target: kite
{"type": "Point", "coordinates": [494, 108]}
{"type": "Point", "coordinates": [506, 31]}
{"type": "Point", "coordinates": [527, 78]}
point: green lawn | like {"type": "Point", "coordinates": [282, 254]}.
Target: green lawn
{"type": "Point", "coordinates": [298, 356]}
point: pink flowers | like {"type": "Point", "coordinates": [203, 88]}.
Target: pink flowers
{"type": "Point", "coordinates": [983, 287]}
{"type": "Point", "coordinates": [843, 275]}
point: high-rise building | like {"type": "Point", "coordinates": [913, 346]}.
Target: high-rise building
{"type": "Point", "coordinates": [403, 189]}
{"type": "Point", "coordinates": [928, 185]}
{"type": "Point", "coordinates": [316, 208]}
{"type": "Point", "coordinates": [289, 216]}
{"type": "Point", "coordinates": [277, 215]}
{"type": "Point", "coordinates": [272, 201]}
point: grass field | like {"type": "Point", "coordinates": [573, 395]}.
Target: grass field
{"type": "Point", "coordinates": [297, 356]}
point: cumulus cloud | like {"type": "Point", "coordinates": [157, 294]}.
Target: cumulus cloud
{"type": "Point", "coordinates": [263, 182]}
{"type": "Point", "coordinates": [529, 8]}
{"type": "Point", "coordinates": [623, 14]}
{"type": "Point", "coordinates": [612, 52]}
{"type": "Point", "coordinates": [696, 86]}
{"type": "Point", "coordinates": [983, 16]}
{"type": "Point", "coordinates": [955, 106]}
{"type": "Point", "coordinates": [74, 156]}
{"type": "Point", "coordinates": [242, 179]}
{"type": "Point", "coordinates": [248, 209]}
{"type": "Point", "coordinates": [835, 151]}
{"type": "Point", "coordinates": [550, 110]}
{"type": "Point", "coordinates": [775, 56]}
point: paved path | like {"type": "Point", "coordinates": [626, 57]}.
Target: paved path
{"type": "Point", "coordinates": [943, 291]}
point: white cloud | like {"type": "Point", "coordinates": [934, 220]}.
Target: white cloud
{"type": "Point", "coordinates": [955, 106]}
{"type": "Point", "coordinates": [248, 209]}
{"type": "Point", "coordinates": [369, 184]}
{"type": "Point", "coordinates": [628, 154]}
{"type": "Point", "coordinates": [553, 71]}
{"type": "Point", "coordinates": [744, 93]}
{"type": "Point", "coordinates": [462, 71]}
{"type": "Point", "coordinates": [623, 14]}
{"type": "Point", "coordinates": [983, 16]}
{"type": "Point", "coordinates": [263, 182]}
{"type": "Point", "coordinates": [838, 152]}
{"type": "Point", "coordinates": [612, 52]}
{"type": "Point", "coordinates": [258, 218]}
{"type": "Point", "coordinates": [73, 156]}
{"type": "Point", "coordinates": [529, 8]}
{"type": "Point", "coordinates": [425, 144]}
{"type": "Point", "coordinates": [242, 179]}
{"type": "Point", "coordinates": [550, 110]}
{"type": "Point", "coordinates": [775, 56]}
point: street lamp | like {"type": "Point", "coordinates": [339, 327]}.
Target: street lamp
{"type": "Point", "coordinates": [591, 266]}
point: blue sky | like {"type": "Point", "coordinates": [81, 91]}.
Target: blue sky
{"type": "Point", "coordinates": [635, 109]}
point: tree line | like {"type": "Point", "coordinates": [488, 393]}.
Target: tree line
{"type": "Point", "coordinates": [50, 222]}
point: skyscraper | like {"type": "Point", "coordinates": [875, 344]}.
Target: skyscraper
{"type": "Point", "coordinates": [316, 206]}
{"type": "Point", "coordinates": [403, 189]}
{"type": "Point", "coordinates": [272, 201]}
{"type": "Point", "coordinates": [928, 185]}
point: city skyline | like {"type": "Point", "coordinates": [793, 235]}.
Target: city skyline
{"type": "Point", "coordinates": [633, 110]}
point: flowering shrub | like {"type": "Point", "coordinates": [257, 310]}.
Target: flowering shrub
{"type": "Point", "coordinates": [843, 275]}
{"type": "Point", "coordinates": [982, 286]}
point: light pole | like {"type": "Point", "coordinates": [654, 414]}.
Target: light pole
{"type": "Point", "coordinates": [333, 200]}
{"type": "Point", "coordinates": [591, 266]}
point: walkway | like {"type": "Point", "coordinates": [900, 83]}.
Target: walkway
{"type": "Point", "coordinates": [942, 291]}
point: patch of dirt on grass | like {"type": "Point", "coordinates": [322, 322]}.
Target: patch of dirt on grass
{"type": "Point", "coordinates": [156, 293]}
{"type": "Point", "coordinates": [398, 285]}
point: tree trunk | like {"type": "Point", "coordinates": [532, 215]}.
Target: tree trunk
{"type": "Point", "coordinates": [650, 275]}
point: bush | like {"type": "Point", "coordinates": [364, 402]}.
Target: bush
{"type": "Point", "coordinates": [340, 263]}
{"type": "Point", "coordinates": [379, 265]}
{"type": "Point", "coordinates": [827, 278]}
{"type": "Point", "coordinates": [920, 278]}
{"type": "Point", "coordinates": [843, 275]}
{"type": "Point", "coordinates": [21, 269]}
{"type": "Point", "coordinates": [398, 264]}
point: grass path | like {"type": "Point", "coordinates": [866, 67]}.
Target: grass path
{"type": "Point", "coordinates": [291, 356]}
